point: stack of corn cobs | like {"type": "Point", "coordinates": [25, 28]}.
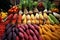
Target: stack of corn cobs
{"type": "Point", "coordinates": [30, 24]}
{"type": "Point", "coordinates": [41, 26]}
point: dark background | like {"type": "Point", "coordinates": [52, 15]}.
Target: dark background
{"type": "Point", "coordinates": [5, 4]}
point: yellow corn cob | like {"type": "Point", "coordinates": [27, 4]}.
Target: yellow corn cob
{"type": "Point", "coordinates": [41, 21]}
{"type": "Point", "coordinates": [33, 21]}
{"type": "Point", "coordinates": [41, 16]}
{"type": "Point", "coordinates": [37, 21]}
{"type": "Point", "coordinates": [52, 28]}
{"type": "Point", "coordinates": [32, 16]}
{"type": "Point", "coordinates": [46, 28]}
{"type": "Point", "coordinates": [47, 37]}
{"type": "Point", "coordinates": [28, 17]}
{"type": "Point", "coordinates": [28, 21]}
{"type": "Point", "coordinates": [25, 21]}
{"type": "Point", "coordinates": [49, 34]}
{"type": "Point", "coordinates": [47, 21]}
{"type": "Point", "coordinates": [56, 26]}
{"type": "Point", "coordinates": [52, 36]}
{"type": "Point", "coordinates": [41, 25]}
{"type": "Point", "coordinates": [23, 17]}
{"type": "Point", "coordinates": [40, 30]}
{"type": "Point", "coordinates": [58, 30]}
{"type": "Point", "coordinates": [55, 34]}
{"type": "Point", "coordinates": [44, 31]}
{"type": "Point", "coordinates": [37, 16]}
{"type": "Point", "coordinates": [45, 15]}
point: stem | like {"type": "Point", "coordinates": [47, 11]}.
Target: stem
{"type": "Point", "coordinates": [25, 11]}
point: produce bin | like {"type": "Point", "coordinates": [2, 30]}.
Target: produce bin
{"type": "Point", "coordinates": [30, 20]}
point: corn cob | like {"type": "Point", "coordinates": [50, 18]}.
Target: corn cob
{"type": "Point", "coordinates": [41, 21]}
{"type": "Point", "coordinates": [33, 21]}
{"type": "Point", "coordinates": [25, 21]}
{"type": "Point", "coordinates": [56, 26]}
{"type": "Point", "coordinates": [52, 22]}
{"type": "Point", "coordinates": [45, 15]}
{"type": "Point", "coordinates": [55, 34]}
{"type": "Point", "coordinates": [54, 19]}
{"type": "Point", "coordinates": [37, 21]}
{"type": "Point", "coordinates": [41, 16]}
{"type": "Point", "coordinates": [52, 28]}
{"type": "Point", "coordinates": [40, 30]}
{"type": "Point", "coordinates": [46, 28]}
{"type": "Point", "coordinates": [32, 16]}
{"type": "Point", "coordinates": [47, 37]}
{"type": "Point", "coordinates": [49, 34]}
{"type": "Point", "coordinates": [23, 17]}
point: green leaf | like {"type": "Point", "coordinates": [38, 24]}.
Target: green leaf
{"type": "Point", "coordinates": [53, 5]}
{"type": "Point", "coordinates": [35, 3]}
{"type": "Point", "coordinates": [47, 4]}
{"type": "Point", "coordinates": [30, 4]}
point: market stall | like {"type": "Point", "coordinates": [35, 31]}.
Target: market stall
{"type": "Point", "coordinates": [30, 20]}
